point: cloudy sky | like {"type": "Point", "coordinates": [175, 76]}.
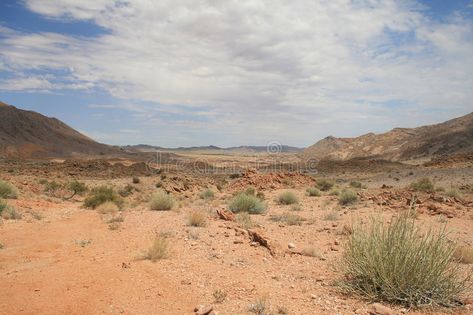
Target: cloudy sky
{"type": "Point", "coordinates": [182, 73]}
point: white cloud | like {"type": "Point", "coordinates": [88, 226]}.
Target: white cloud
{"type": "Point", "coordinates": [259, 70]}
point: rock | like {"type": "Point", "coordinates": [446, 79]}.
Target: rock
{"type": "Point", "coordinates": [291, 245]}
{"type": "Point", "coordinates": [226, 215]}
{"type": "Point", "coordinates": [203, 309]}
{"type": "Point", "coordinates": [379, 309]}
{"type": "Point", "coordinates": [468, 301]}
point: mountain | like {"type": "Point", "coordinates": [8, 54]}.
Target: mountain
{"type": "Point", "coordinates": [212, 149]}
{"type": "Point", "coordinates": [400, 144]}
{"type": "Point", "coordinates": [27, 134]}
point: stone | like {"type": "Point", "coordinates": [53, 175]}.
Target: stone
{"type": "Point", "coordinates": [291, 245]}
{"type": "Point", "coordinates": [203, 309]}
{"type": "Point", "coordinates": [379, 309]}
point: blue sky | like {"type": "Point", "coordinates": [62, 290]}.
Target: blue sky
{"type": "Point", "coordinates": [184, 73]}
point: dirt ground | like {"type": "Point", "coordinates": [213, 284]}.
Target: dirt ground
{"type": "Point", "coordinates": [61, 258]}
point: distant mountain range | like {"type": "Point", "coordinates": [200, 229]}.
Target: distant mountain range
{"type": "Point", "coordinates": [400, 144]}
{"type": "Point", "coordinates": [215, 149]}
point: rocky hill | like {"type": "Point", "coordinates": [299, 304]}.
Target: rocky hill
{"type": "Point", "coordinates": [400, 144]}
{"type": "Point", "coordinates": [27, 134]}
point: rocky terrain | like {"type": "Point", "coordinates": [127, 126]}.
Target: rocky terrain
{"type": "Point", "coordinates": [400, 144]}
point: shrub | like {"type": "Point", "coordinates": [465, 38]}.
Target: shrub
{"type": "Point", "coordinates": [107, 207]}
{"type": "Point", "coordinates": [246, 203]}
{"type": "Point", "coordinates": [77, 188]}
{"type": "Point", "coordinates": [126, 191]}
{"type": "Point", "coordinates": [159, 250]}
{"type": "Point", "coordinates": [423, 184]}
{"type": "Point", "coordinates": [161, 201]}
{"type": "Point", "coordinates": [250, 191]}
{"type": "Point", "coordinates": [347, 197]}
{"type": "Point", "coordinates": [159, 184]}
{"type": "Point", "coordinates": [287, 198]}
{"type": "Point", "coordinates": [244, 219]}
{"type": "Point", "coordinates": [135, 180]}
{"type": "Point", "coordinates": [331, 216]}
{"type": "Point", "coordinates": [197, 219]}
{"type": "Point", "coordinates": [334, 192]}
{"type": "Point", "coordinates": [288, 218]}
{"type": "Point", "coordinates": [7, 190]}
{"type": "Point", "coordinates": [207, 194]}
{"type": "Point", "coordinates": [100, 195]}
{"type": "Point", "coordinates": [356, 184]}
{"type": "Point", "coordinates": [8, 212]}
{"type": "Point", "coordinates": [219, 296]}
{"type": "Point", "coordinates": [259, 307]}
{"type": "Point", "coordinates": [453, 193]}
{"type": "Point", "coordinates": [260, 195]}
{"type": "Point", "coordinates": [324, 185]}
{"type": "Point", "coordinates": [311, 251]}
{"type": "Point", "coordinates": [313, 192]}
{"type": "Point", "coordinates": [50, 188]}
{"type": "Point", "coordinates": [397, 264]}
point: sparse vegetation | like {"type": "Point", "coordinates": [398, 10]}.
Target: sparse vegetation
{"type": "Point", "coordinates": [197, 219]}
{"type": "Point", "coordinates": [296, 207]}
{"type": "Point", "coordinates": [244, 219]}
{"type": "Point", "coordinates": [331, 216]}
{"type": "Point", "coordinates": [287, 198]}
{"type": "Point", "coordinates": [313, 192]}
{"type": "Point", "coordinates": [347, 197]}
{"type": "Point", "coordinates": [324, 185]}
{"type": "Point", "coordinates": [159, 184]}
{"type": "Point", "coordinates": [259, 307]}
{"type": "Point", "coordinates": [207, 194]}
{"type": "Point", "coordinates": [126, 190]}
{"type": "Point", "coordinates": [159, 250]}
{"type": "Point", "coordinates": [395, 263]}
{"type": "Point", "coordinates": [453, 193]}
{"type": "Point", "coordinates": [356, 184]}
{"type": "Point", "coordinates": [107, 207]}
{"type": "Point", "coordinates": [247, 203]}
{"type": "Point", "coordinates": [288, 218]}
{"type": "Point", "coordinates": [7, 190]}
{"type": "Point", "coordinates": [100, 195]}
{"type": "Point", "coordinates": [423, 184]}
{"type": "Point", "coordinates": [77, 188]}
{"type": "Point", "coordinates": [161, 201]}
{"type": "Point", "coordinates": [334, 192]}
{"type": "Point", "coordinates": [260, 195]}
{"type": "Point", "coordinates": [51, 187]}
{"type": "Point", "coordinates": [250, 191]}
{"type": "Point", "coordinates": [311, 251]}
{"type": "Point", "coordinates": [8, 212]}
{"type": "Point", "coordinates": [219, 296]}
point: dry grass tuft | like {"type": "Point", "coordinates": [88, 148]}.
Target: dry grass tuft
{"type": "Point", "coordinates": [161, 201]}
{"type": "Point", "coordinates": [159, 250]}
{"type": "Point", "coordinates": [107, 207]}
{"type": "Point", "coordinates": [197, 219]}
{"type": "Point", "coordinates": [347, 197]}
{"type": "Point", "coordinates": [100, 195]}
{"type": "Point", "coordinates": [287, 198]}
{"type": "Point", "coordinates": [244, 219]}
{"type": "Point", "coordinates": [7, 190]}
{"type": "Point", "coordinates": [247, 203]}
{"type": "Point", "coordinates": [423, 184]}
{"type": "Point", "coordinates": [463, 254]}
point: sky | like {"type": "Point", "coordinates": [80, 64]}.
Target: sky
{"type": "Point", "coordinates": [243, 72]}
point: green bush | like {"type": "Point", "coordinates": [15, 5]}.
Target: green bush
{"type": "Point", "coordinates": [244, 219]}
{"type": "Point", "coordinates": [287, 198]}
{"type": "Point", "coordinates": [126, 190]}
{"type": "Point", "coordinates": [423, 184]}
{"type": "Point", "coordinates": [356, 184]}
{"type": "Point", "coordinates": [8, 212]}
{"type": "Point", "coordinates": [100, 195]}
{"type": "Point", "coordinates": [207, 194]}
{"type": "Point", "coordinates": [77, 188]}
{"type": "Point", "coordinates": [51, 187]}
{"type": "Point", "coordinates": [250, 191]}
{"type": "Point", "coordinates": [247, 203]}
{"type": "Point", "coordinates": [347, 197]}
{"type": "Point", "coordinates": [7, 190]}
{"type": "Point", "coordinates": [324, 185]}
{"type": "Point", "coordinates": [313, 192]}
{"type": "Point", "coordinates": [396, 263]}
{"type": "Point", "coordinates": [161, 201]}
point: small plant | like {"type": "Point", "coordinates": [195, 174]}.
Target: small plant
{"type": "Point", "coordinates": [50, 188]}
{"type": "Point", "coordinates": [331, 216]}
{"type": "Point", "coordinates": [246, 203]}
{"type": "Point", "coordinates": [7, 190]}
{"type": "Point", "coordinates": [244, 219]}
{"type": "Point", "coordinates": [288, 218]}
{"type": "Point", "coordinates": [423, 184]}
{"type": "Point", "coordinates": [159, 250]}
{"type": "Point", "coordinates": [324, 185]}
{"type": "Point", "coordinates": [219, 296]}
{"type": "Point", "coordinates": [108, 207]}
{"type": "Point", "coordinates": [313, 192]}
{"type": "Point", "coordinates": [8, 212]}
{"type": "Point", "coordinates": [453, 193]}
{"type": "Point", "coordinates": [260, 195]}
{"type": "Point", "coordinates": [77, 188]}
{"type": "Point", "coordinates": [159, 184]}
{"type": "Point", "coordinates": [100, 195]}
{"type": "Point", "coordinates": [334, 192]}
{"type": "Point", "coordinates": [161, 201]}
{"type": "Point", "coordinates": [347, 197]}
{"type": "Point", "coordinates": [282, 310]}
{"type": "Point", "coordinates": [197, 219]}
{"type": "Point", "coordinates": [135, 180]}
{"type": "Point", "coordinates": [296, 207]}
{"type": "Point", "coordinates": [250, 191]}
{"type": "Point", "coordinates": [287, 198]}
{"type": "Point", "coordinates": [463, 254]}
{"type": "Point", "coordinates": [114, 226]}
{"type": "Point", "coordinates": [356, 184]}
{"type": "Point", "coordinates": [116, 219]}
{"type": "Point", "coordinates": [207, 194]}
{"type": "Point", "coordinates": [259, 307]}
{"type": "Point", "coordinates": [126, 191]}
{"type": "Point", "coordinates": [395, 263]}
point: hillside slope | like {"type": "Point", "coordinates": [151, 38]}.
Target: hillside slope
{"type": "Point", "coordinates": [400, 144]}
{"type": "Point", "coordinates": [28, 134]}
